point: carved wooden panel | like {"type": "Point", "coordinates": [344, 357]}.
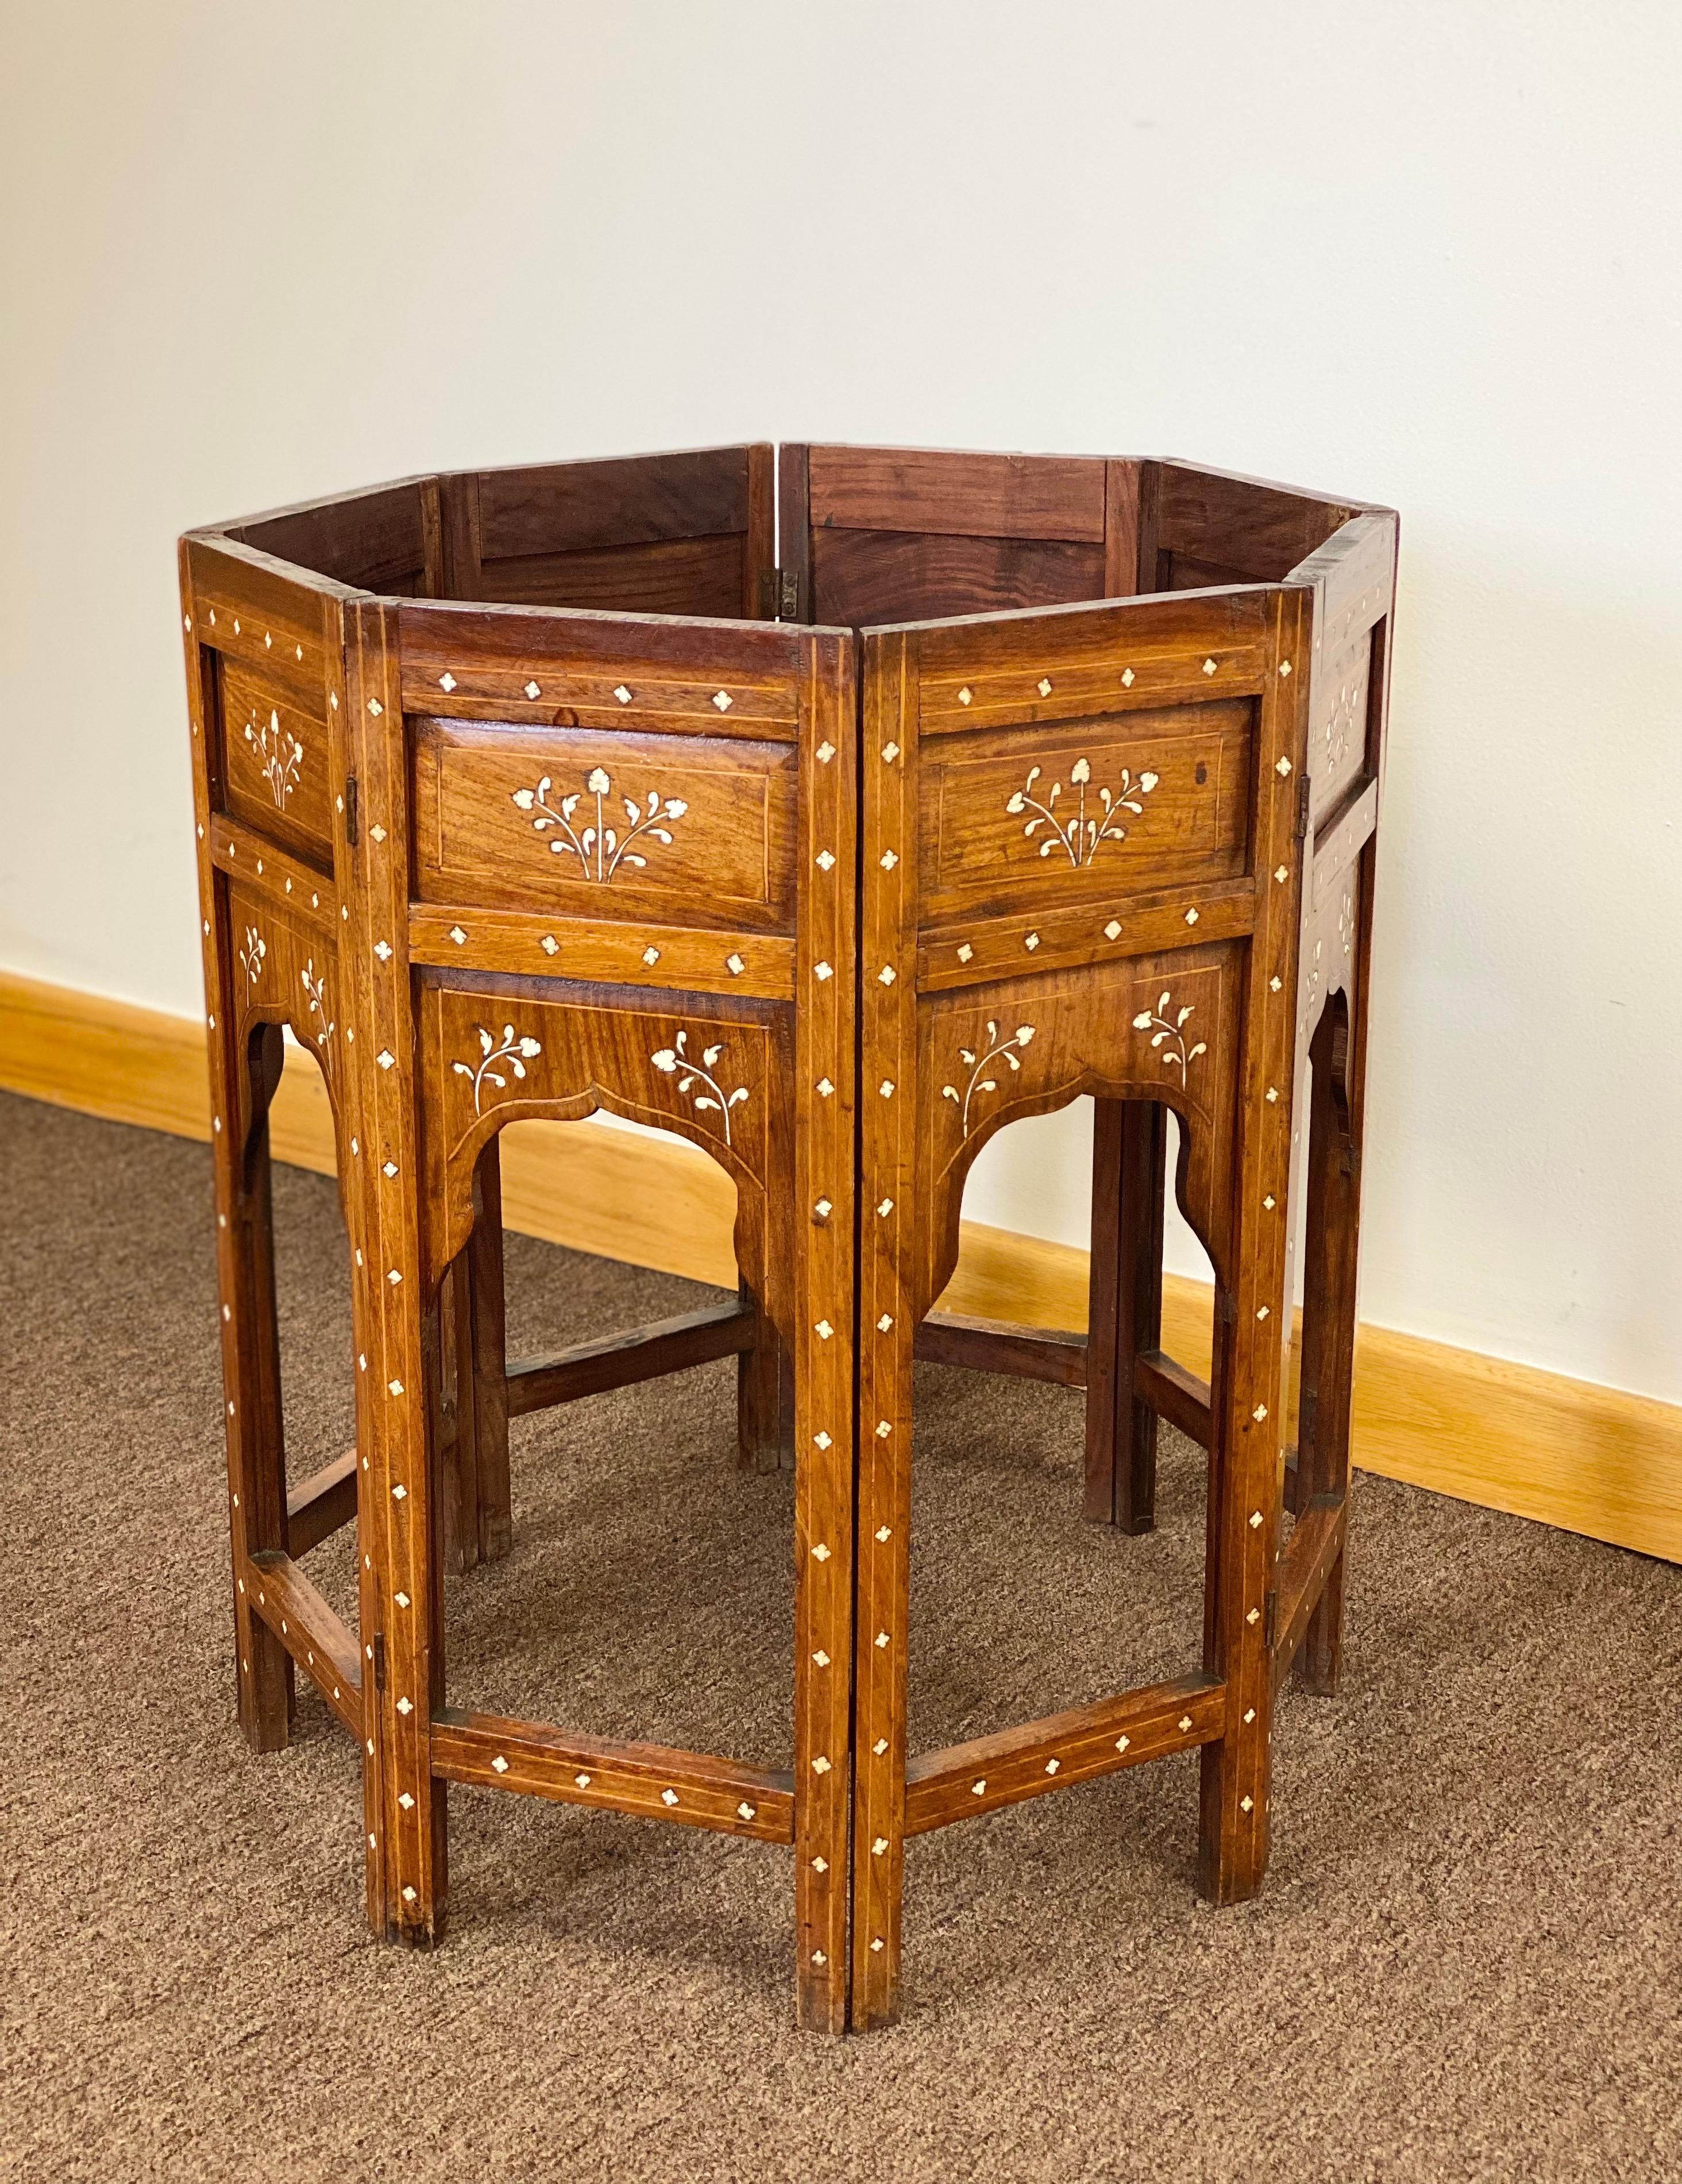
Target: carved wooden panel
{"type": "Point", "coordinates": [711, 1073]}
{"type": "Point", "coordinates": [1337, 725]}
{"type": "Point", "coordinates": [1247, 529]}
{"type": "Point", "coordinates": [385, 538]}
{"type": "Point", "coordinates": [286, 972]}
{"type": "Point", "coordinates": [1156, 1027]}
{"type": "Point", "coordinates": [1353, 580]}
{"type": "Point", "coordinates": [685, 533]}
{"type": "Point", "coordinates": [699, 829]}
{"type": "Point", "coordinates": [1107, 806]}
{"type": "Point", "coordinates": [275, 761]}
{"type": "Point", "coordinates": [898, 534]}
{"type": "Point", "coordinates": [1328, 960]}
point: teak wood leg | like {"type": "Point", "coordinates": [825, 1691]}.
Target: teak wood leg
{"type": "Point", "coordinates": [1249, 1383]}
{"type": "Point", "coordinates": [889, 1311]}
{"type": "Point", "coordinates": [474, 1482]}
{"type": "Point", "coordinates": [1125, 1315]}
{"type": "Point", "coordinates": [765, 1395]}
{"type": "Point", "coordinates": [488, 1300]}
{"type": "Point", "coordinates": [399, 1535]}
{"type": "Point", "coordinates": [1328, 1324]}
{"type": "Point", "coordinates": [252, 1374]}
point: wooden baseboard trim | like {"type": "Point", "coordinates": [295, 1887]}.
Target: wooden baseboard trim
{"type": "Point", "coordinates": [1567, 1452]}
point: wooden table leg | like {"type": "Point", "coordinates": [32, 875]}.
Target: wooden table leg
{"type": "Point", "coordinates": [250, 1361]}
{"type": "Point", "coordinates": [1252, 1315]}
{"type": "Point", "coordinates": [399, 1534]}
{"type": "Point", "coordinates": [1329, 1320]}
{"type": "Point", "coordinates": [487, 1319]}
{"type": "Point", "coordinates": [822, 1364]}
{"type": "Point", "coordinates": [1129, 1156]}
{"type": "Point", "coordinates": [765, 1396]}
{"type": "Point", "coordinates": [474, 1487]}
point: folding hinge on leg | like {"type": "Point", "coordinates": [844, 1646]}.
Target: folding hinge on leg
{"type": "Point", "coordinates": [379, 1661]}
{"type": "Point", "coordinates": [780, 595]}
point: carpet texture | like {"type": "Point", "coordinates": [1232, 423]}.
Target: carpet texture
{"type": "Point", "coordinates": [1465, 1963]}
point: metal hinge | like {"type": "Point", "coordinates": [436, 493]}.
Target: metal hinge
{"type": "Point", "coordinates": [780, 595]}
{"type": "Point", "coordinates": [350, 809]}
{"type": "Point", "coordinates": [379, 1660]}
{"type": "Point", "coordinates": [1270, 1623]}
{"type": "Point", "coordinates": [1303, 786]}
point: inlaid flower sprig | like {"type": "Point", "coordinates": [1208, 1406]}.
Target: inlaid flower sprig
{"type": "Point", "coordinates": [1006, 1050]}
{"type": "Point", "coordinates": [315, 993]}
{"type": "Point", "coordinates": [279, 756]}
{"type": "Point", "coordinates": [1169, 1036]}
{"type": "Point", "coordinates": [511, 1049]}
{"type": "Point", "coordinates": [1076, 834]}
{"type": "Point", "coordinates": [253, 952]}
{"type": "Point", "coordinates": [676, 1061]}
{"type": "Point", "coordinates": [599, 847]}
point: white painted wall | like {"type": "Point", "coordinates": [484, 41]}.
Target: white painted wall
{"type": "Point", "coordinates": [1425, 255]}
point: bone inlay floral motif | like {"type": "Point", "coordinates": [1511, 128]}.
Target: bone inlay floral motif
{"type": "Point", "coordinates": [311, 981]}
{"type": "Point", "coordinates": [1076, 834]}
{"type": "Point", "coordinates": [678, 1062]}
{"type": "Point", "coordinates": [279, 756]}
{"type": "Point", "coordinates": [1345, 717]}
{"type": "Point", "coordinates": [1170, 1035]}
{"type": "Point", "coordinates": [997, 1050]}
{"type": "Point", "coordinates": [511, 1051]}
{"type": "Point", "coordinates": [251, 950]}
{"type": "Point", "coordinates": [599, 847]}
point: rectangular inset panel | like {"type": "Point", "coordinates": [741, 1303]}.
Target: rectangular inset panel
{"type": "Point", "coordinates": [1228, 522]}
{"type": "Point", "coordinates": [678, 575]}
{"type": "Point", "coordinates": [696, 832]}
{"type": "Point", "coordinates": [1178, 572]}
{"type": "Point", "coordinates": [556, 508]}
{"type": "Point", "coordinates": [860, 577]}
{"type": "Point", "coordinates": [1336, 727]}
{"type": "Point", "coordinates": [274, 762]}
{"type": "Point", "coordinates": [689, 533]}
{"type": "Point", "coordinates": [377, 539]}
{"type": "Point", "coordinates": [942, 491]}
{"type": "Point", "coordinates": [1058, 811]}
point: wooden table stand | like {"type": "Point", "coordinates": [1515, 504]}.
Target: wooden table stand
{"type": "Point", "coordinates": [1008, 779]}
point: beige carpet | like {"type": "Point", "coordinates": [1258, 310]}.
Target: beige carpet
{"type": "Point", "coordinates": [1465, 1964]}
